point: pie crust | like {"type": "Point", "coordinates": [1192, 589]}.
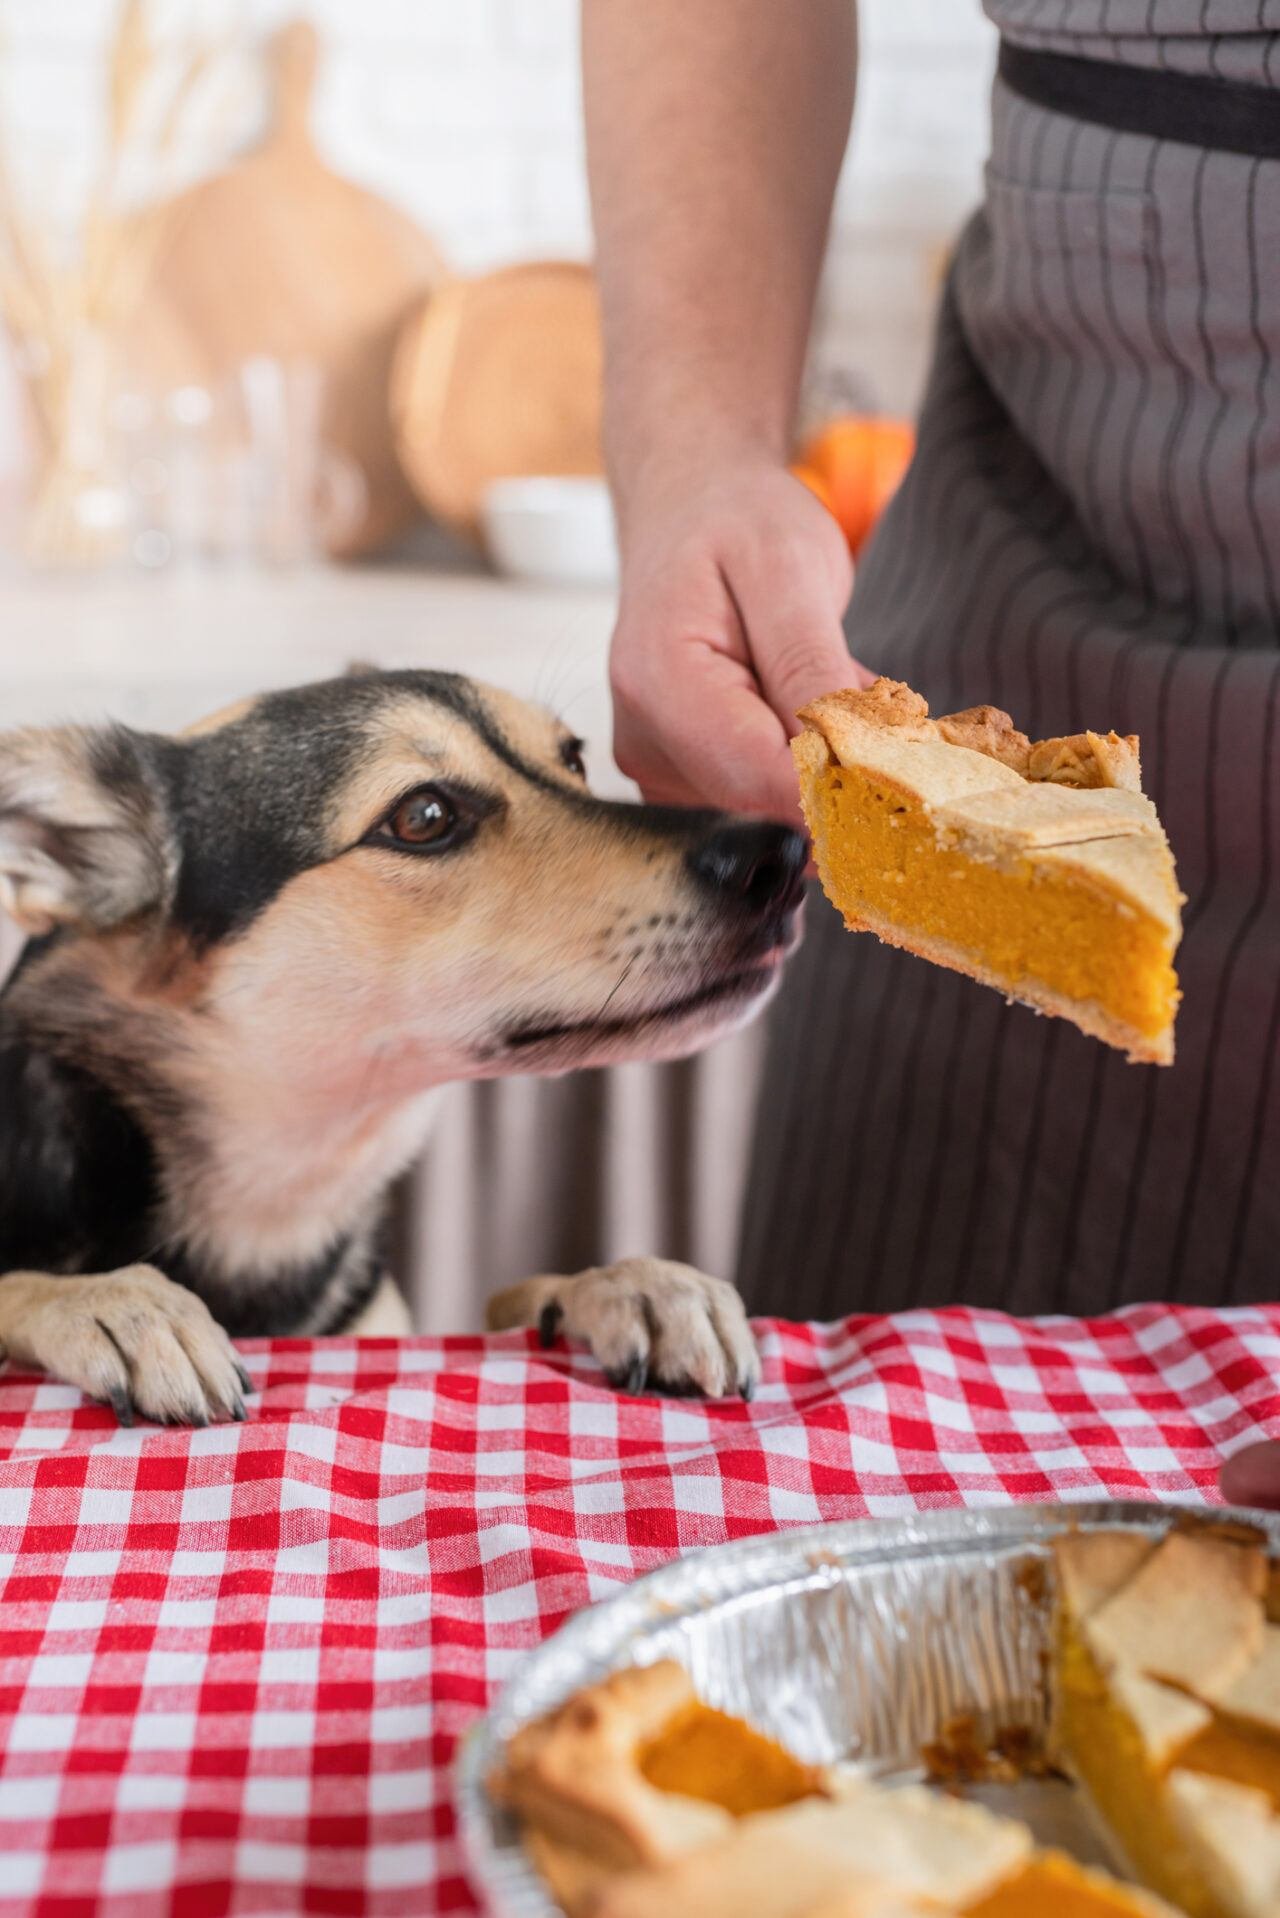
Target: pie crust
{"type": "Point", "coordinates": [637, 1771]}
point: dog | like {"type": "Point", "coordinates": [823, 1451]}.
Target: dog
{"type": "Point", "coordinates": [253, 950]}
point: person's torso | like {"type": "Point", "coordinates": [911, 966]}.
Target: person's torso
{"type": "Point", "coordinates": [1121, 294]}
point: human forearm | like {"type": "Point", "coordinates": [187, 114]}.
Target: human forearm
{"type": "Point", "coordinates": [715, 135]}
{"type": "Point", "coordinates": [715, 132]}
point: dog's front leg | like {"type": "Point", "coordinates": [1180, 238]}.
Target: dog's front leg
{"type": "Point", "coordinates": [131, 1338]}
{"type": "Point", "coordinates": [649, 1322]}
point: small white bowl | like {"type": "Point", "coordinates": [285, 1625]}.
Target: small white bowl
{"type": "Point", "coordinates": [558, 531]}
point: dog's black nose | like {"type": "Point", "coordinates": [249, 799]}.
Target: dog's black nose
{"type": "Point", "coordinates": [754, 862]}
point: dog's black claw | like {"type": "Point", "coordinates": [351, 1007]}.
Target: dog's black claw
{"type": "Point", "coordinates": [549, 1324]}
{"type": "Point", "coordinates": [633, 1379]}
{"type": "Point", "coordinates": [122, 1405]}
{"type": "Point", "coordinates": [747, 1387]}
{"type": "Point", "coordinates": [637, 1378]}
{"type": "Point", "coordinates": [238, 1412]}
{"type": "Point", "coordinates": [246, 1383]}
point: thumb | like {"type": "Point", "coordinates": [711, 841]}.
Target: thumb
{"type": "Point", "coordinates": [790, 605]}
{"type": "Point", "coordinates": [800, 654]}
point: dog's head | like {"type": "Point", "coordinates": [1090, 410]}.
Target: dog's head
{"type": "Point", "coordinates": [403, 870]}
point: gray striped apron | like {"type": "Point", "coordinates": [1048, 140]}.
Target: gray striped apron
{"type": "Point", "coordinates": [1089, 536]}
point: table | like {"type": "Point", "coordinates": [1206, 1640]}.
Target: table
{"type": "Point", "coordinates": [235, 1663]}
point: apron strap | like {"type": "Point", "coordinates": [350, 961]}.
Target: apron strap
{"type": "Point", "coordinates": [1191, 109]}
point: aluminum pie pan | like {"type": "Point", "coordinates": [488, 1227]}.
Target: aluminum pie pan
{"type": "Point", "coordinates": [855, 1641]}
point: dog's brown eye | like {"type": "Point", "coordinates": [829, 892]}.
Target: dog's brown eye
{"type": "Point", "coordinates": [424, 818]}
{"type": "Point", "coordinates": [571, 757]}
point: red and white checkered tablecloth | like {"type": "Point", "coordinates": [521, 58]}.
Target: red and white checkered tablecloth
{"type": "Point", "coordinates": [234, 1663]}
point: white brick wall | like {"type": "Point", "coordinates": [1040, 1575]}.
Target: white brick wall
{"type": "Point", "coordinates": [467, 112]}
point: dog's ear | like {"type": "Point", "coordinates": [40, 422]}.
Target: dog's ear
{"type": "Point", "coordinates": [84, 836]}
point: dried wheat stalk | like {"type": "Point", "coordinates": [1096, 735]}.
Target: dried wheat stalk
{"type": "Point", "coordinates": [65, 316]}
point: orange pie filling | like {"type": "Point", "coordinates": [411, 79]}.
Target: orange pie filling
{"type": "Point", "coordinates": [1111, 1760]}
{"type": "Point", "coordinates": [1053, 1886]}
{"type": "Point", "coordinates": [1033, 922]}
{"type": "Point", "coordinates": [706, 1754]}
{"type": "Point", "coordinates": [1241, 1753]}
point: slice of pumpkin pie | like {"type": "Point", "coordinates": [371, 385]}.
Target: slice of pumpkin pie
{"type": "Point", "coordinates": [1167, 1708]}
{"type": "Point", "coordinates": [1038, 868]}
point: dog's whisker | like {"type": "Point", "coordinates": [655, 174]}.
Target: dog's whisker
{"type": "Point", "coordinates": [618, 984]}
{"type": "Point", "coordinates": [556, 662]}
{"type": "Point", "coordinates": [565, 706]}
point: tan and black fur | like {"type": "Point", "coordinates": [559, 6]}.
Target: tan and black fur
{"type": "Point", "coordinates": [253, 952]}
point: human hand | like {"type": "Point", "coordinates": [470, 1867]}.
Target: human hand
{"type": "Point", "coordinates": [734, 582]}
{"type": "Point", "coordinates": [1252, 1476]}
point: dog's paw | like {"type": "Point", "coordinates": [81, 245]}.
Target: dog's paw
{"type": "Point", "coordinates": [651, 1323]}
{"type": "Point", "coordinates": [131, 1338]}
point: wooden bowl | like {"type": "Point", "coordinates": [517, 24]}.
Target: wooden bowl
{"type": "Point", "coordinates": [498, 377]}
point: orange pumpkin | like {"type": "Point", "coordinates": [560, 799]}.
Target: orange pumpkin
{"type": "Point", "coordinates": [810, 477]}
{"type": "Point", "coordinates": [854, 467]}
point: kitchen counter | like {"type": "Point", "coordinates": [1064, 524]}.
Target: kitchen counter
{"type": "Point", "coordinates": [159, 651]}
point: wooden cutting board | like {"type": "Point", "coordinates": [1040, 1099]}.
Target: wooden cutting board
{"type": "Point", "coordinates": [496, 377]}
{"type": "Point", "coordinates": [278, 255]}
